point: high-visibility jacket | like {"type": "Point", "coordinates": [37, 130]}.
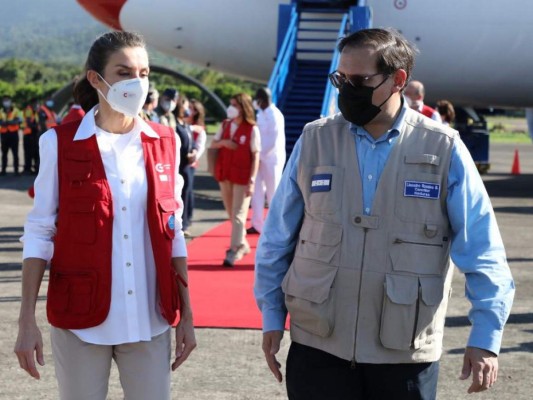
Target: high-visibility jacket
{"type": "Point", "coordinates": [31, 119]}
{"type": "Point", "coordinates": [10, 121]}
{"type": "Point", "coordinates": [50, 117]}
{"type": "Point", "coordinates": [79, 291]}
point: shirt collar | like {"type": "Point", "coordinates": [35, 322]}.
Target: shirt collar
{"type": "Point", "coordinates": [395, 130]}
{"type": "Point", "coordinates": [88, 127]}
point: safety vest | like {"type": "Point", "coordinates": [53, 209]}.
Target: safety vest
{"type": "Point", "coordinates": [235, 165]}
{"type": "Point", "coordinates": [79, 292]}
{"type": "Point", "coordinates": [30, 119]}
{"type": "Point", "coordinates": [11, 121]}
{"type": "Point", "coordinates": [51, 117]}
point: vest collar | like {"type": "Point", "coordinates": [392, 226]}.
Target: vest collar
{"type": "Point", "coordinates": [87, 126]}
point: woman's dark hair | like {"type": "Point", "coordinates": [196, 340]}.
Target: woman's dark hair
{"type": "Point", "coordinates": [101, 50]}
{"type": "Point", "coordinates": [179, 111]}
{"type": "Point", "coordinates": [394, 52]}
{"type": "Point", "coordinates": [199, 117]}
{"type": "Point", "coordinates": [446, 111]}
{"type": "Point", "coordinates": [244, 100]}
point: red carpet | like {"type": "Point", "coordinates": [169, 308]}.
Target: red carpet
{"type": "Point", "coordinates": [222, 297]}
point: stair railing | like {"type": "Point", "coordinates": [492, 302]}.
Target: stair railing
{"type": "Point", "coordinates": [282, 68]}
{"type": "Point", "coordinates": [329, 105]}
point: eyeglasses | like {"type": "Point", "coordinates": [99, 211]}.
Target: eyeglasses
{"type": "Point", "coordinates": [338, 79]}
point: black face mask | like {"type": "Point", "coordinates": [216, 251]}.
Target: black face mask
{"type": "Point", "coordinates": [355, 103]}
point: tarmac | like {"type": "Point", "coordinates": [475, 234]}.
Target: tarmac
{"type": "Point", "coordinates": [228, 363]}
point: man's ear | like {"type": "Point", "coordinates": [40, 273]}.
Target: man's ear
{"type": "Point", "coordinates": [400, 80]}
{"type": "Point", "coordinates": [94, 79]}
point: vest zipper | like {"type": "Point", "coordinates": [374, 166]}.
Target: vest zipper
{"type": "Point", "coordinates": [401, 241]}
{"type": "Point", "coordinates": [417, 310]}
{"type": "Point", "coordinates": [365, 230]}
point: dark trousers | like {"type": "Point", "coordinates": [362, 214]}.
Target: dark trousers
{"type": "Point", "coordinates": [31, 149]}
{"type": "Point", "coordinates": [316, 375]}
{"type": "Point", "coordinates": [190, 196]}
{"type": "Point", "coordinates": [10, 141]}
{"type": "Point", "coordinates": [186, 197]}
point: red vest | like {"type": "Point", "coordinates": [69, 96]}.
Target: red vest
{"type": "Point", "coordinates": [428, 111]}
{"type": "Point", "coordinates": [79, 291]}
{"type": "Point", "coordinates": [235, 165]}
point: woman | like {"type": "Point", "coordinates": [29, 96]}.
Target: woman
{"type": "Point", "coordinates": [107, 216]}
{"type": "Point", "coordinates": [196, 120]}
{"type": "Point", "coordinates": [239, 144]}
{"type": "Point", "coordinates": [446, 111]}
{"type": "Point", "coordinates": [187, 152]}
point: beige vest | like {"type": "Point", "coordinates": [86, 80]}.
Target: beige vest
{"type": "Point", "coordinates": [373, 289]}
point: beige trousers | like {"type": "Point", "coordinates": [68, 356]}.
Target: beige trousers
{"type": "Point", "coordinates": [236, 204]}
{"type": "Point", "coordinates": [82, 369]}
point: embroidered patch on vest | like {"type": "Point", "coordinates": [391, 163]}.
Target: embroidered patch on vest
{"type": "Point", "coordinates": [163, 178]}
{"type": "Point", "coordinates": [424, 190]}
{"type": "Point", "coordinates": [321, 183]}
{"type": "Point", "coordinates": [171, 222]}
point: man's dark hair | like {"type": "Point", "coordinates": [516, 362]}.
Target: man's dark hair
{"type": "Point", "coordinates": [264, 95]}
{"type": "Point", "coordinates": [394, 51]}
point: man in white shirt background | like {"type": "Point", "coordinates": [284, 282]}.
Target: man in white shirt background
{"type": "Point", "coordinates": [414, 94]}
{"type": "Point", "coordinates": [271, 124]}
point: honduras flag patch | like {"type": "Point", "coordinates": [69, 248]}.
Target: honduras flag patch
{"type": "Point", "coordinates": [423, 190]}
{"type": "Point", "coordinates": [321, 183]}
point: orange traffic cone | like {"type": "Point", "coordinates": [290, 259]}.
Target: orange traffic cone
{"type": "Point", "coordinates": [515, 170]}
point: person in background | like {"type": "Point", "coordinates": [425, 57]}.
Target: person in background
{"type": "Point", "coordinates": [118, 266]}
{"type": "Point", "coordinates": [446, 111]}
{"type": "Point", "coordinates": [30, 137]}
{"type": "Point", "coordinates": [375, 206]}
{"type": "Point", "coordinates": [11, 120]}
{"type": "Point", "coordinates": [75, 113]}
{"type": "Point", "coordinates": [271, 124]}
{"type": "Point", "coordinates": [196, 120]}
{"type": "Point", "coordinates": [165, 109]}
{"type": "Point", "coordinates": [47, 119]}
{"type": "Point", "coordinates": [183, 130]}
{"type": "Point", "coordinates": [152, 99]}
{"type": "Point", "coordinates": [236, 168]}
{"type": "Point", "coordinates": [414, 94]}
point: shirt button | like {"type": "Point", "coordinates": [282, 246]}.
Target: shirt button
{"type": "Point", "coordinates": [123, 208]}
{"type": "Point", "coordinates": [128, 264]}
{"type": "Point", "coordinates": [130, 291]}
{"type": "Point", "coordinates": [125, 236]}
{"type": "Point", "coordinates": [357, 220]}
{"type": "Point", "coordinates": [369, 177]}
{"type": "Point", "coordinates": [373, 146]}
{"type": "Point", "coordinates": [122, 181]}
{"type": "Point", "coordinates": [367, 210]}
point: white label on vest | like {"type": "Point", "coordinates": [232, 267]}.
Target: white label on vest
{"type": "Point", "coordinates": [321, 183]}
{"type": "Point", "coordinates": [163, 178]}
{"type": "Point", "coordinates": [423, 190]}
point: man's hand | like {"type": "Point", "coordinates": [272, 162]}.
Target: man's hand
{"type": "Point", "coordinates": [483, 365]}
{"type": "Point", "coordinates": [29, 342]}
{"type": "Point", "coordinates": [271, 344]}
{"type": "Point", "coordinates": [185, 341]}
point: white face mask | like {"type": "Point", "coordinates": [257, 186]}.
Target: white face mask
{"type": "Point", "coordinates": [128, 96]}
{"type": "Point", "coordinates": [232, 112]}
{"type": "Point", "coordinates": [255, 105]}
{"type": "Point", "coordinates": [6, 103]}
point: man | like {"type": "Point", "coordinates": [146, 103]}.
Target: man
{"type": "Point", "coordinates": [10, 124]}
{"type": "Point", "coordinates": [414, 94]}
{"type": "Point", "coordinates": [167, 104]}
{"type": "Point", "coordinates": [30, 137]}
{"type": "Point", "coordinates": [152, 99]}
{"type": "Point", "coordinates": [47, 119]}
{"type": "Point", "coordinates": [271, 124]}
{"type": "Point", "coordinates": [357, 243]}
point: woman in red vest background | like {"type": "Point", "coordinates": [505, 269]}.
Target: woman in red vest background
{"type": "Point", "coordinates": [239, 144]}
{"type": "Point", "coordinates": [107, 217]}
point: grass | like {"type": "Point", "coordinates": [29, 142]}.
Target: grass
{"type": "Point", "coordinates": [504, 129]}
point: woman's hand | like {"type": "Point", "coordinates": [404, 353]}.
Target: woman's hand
{"type": "Point", "coordinates": [185, 341]}
{"type": "Point", "coordinates": [229, 144]}
{"type": "Point", "coordinates": [29, 341]}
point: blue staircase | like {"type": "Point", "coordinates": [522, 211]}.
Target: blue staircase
{"type": "Point", "coordinates": [299, 80]}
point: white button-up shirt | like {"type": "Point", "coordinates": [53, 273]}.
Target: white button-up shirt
{"type": "Point", "coordinates": [134, 314]}
{"type": "Point", "coordinates": [271, 124]}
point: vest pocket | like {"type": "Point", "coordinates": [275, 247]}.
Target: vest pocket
{"type": "Point", "coordinates": [82, 221]}
{"type": "Point", "coordinates": [418, 254]}
{"type": "Point", "coordinates": [410, 304]}
{"type": "Point", "coordinates": [320, 242]}
{"type": "Point", "coordinates": [167, 208]}
{"type": "Point", "coordinates": [72, 292]}
{"type": "Point", "coordinates": [310, 296]}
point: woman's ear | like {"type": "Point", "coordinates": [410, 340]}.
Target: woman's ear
{"type": "Point", "coordinates": [94, 79]}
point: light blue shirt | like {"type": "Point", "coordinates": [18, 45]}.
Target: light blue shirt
{"type": "Point", "coordinates": [476, 248]}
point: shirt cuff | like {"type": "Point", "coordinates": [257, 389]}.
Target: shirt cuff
{"type": "Point", "coordinates": [41, 250]}
{"type": "Point", "coordinates": [486, 339]}
{"type": "Point", "coordinates": [274, 320]}
{"type": "Point", "coordinates": [179, 246]}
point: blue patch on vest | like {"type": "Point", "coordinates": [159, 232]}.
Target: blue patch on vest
{"type": "Point", "coordinates": [171, 222]}
{"type": "Point", "coordinates": [321, 183]}
{"type": "Point", "coordinates": [423, 190]}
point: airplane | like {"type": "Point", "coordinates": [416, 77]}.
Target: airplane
{"type": "Point", "coordinates": [472, 54]}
